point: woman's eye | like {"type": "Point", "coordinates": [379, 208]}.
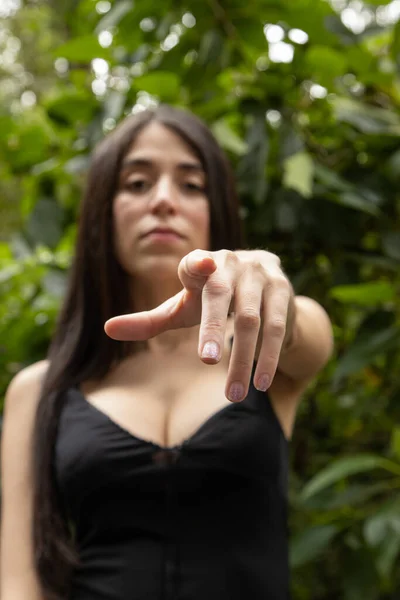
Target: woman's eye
{"type": "Point", "coordinates": [137, 185]}
{"type": "Point", "coordinates": [194, 187]}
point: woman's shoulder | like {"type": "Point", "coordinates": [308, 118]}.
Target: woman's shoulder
{"type": "Point", "coordinates": [23, 392]}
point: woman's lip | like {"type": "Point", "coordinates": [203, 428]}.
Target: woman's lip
{"type": "Point", "coordinates": [163, 235]}
{"type": "Point", "coordinates": [163, 231]}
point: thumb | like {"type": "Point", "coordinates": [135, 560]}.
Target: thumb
{"type": "Point", "coordinates": [143, 325]}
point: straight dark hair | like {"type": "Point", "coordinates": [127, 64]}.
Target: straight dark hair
{"type": "Point", "coordinates": [80, 350]}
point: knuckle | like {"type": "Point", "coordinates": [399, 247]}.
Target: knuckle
{"type": "Point", "coordinates": [258, 266]}
{"type": "Point", "coordinates": [274, 258]}
{"type": "Point", "coordinates": [255, 268]}
{"type": "Point", "coordinates": [281, 280]}
{"type": "Point", "coordinates": [230, 257]}
{"type": "Point", "coordinates": [248, 319]}
{"type": "Point", "coordinates": [277, 327]}
{"type": "Point", "coordinates": [216, 287]}
{"type": "Point", "coordinates": [243, 365]}
{"type": "Point", "coordinates": [213, 324]}
{"type": "Point", "coordinates": [268, 358]}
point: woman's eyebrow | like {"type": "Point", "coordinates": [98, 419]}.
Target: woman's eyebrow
{"type": "Point", "coordinates": [129, 163]}
{"type": "Point", "coordinates": [191, 166]}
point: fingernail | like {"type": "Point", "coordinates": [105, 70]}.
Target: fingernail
{"type": "Point", "coordinates": [236, 392]}
{"type": "Point", "coordinates": [263, 383]}
{"type": "Point", "coordinates": [210, 350]}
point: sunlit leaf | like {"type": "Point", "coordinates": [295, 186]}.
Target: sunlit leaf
{"type": "Point", "coordinates": [345, 467]}
{"type": "Point", "coordinates": [114, 15]}
{"type": "Point", "coordinates": [298, 173]}
{"type": "Point", "coordinates": [354, 494]}
{"type": "Point", "coordinates": [228, 138]}
{"type": "Point", "coordinates": [82, 49]}
{"type": "Point", "coordinates": [364, 293]}
{"type": "Point", "coordinates": [395, 442]}
{"type": "Point", "coordinates": [327, 62]}
{"type": "Point", "coordinates": [354, 200]}
{"type": "Point", "coordinates": [164, 84]}
{"type": "Point", "coordinates": [368, 119]}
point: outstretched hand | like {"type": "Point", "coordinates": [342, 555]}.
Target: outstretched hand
{"type": "Point", "coordinates": [248, 282]}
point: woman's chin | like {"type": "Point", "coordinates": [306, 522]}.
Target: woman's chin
{"type": "Point", "coordinates": [161, 266]}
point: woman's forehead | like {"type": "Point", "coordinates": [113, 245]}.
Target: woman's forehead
{"type": "Point", "coordinates": [156, 137]}
{"type": "Point", "coordinates": [157, 143]}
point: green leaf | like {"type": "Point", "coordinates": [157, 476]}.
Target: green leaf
{"type": "Point", "coordinates": [391, 244]}
{"type": "Point", "coordinates": [359, 575]}
{"type": "Point", "coordinates": [252, 167]}
{"type": "Point", "coordinates": [211, 47]}
{"type": "Point", "coordinates": [29, 142]}
{"type": "Point", "coordinates": [325, 63]}
{"type": "Point", "coordinates": [54, 283]}
{"type": "Point", "coordinates": [388, 553]}
{"type": "Point", "coordinates": [71, 106]}
{"type": "Point", "coordinates": [286, 217]}
{"type": "Point", "coordinates": [368, 119]}
{"type": "Point", "coordinates": [228, 138]}
{"type": "Point", "coordinates": [344, 467]}
{"type": "Point", "coordinates": [354, 200]}
{"type": "Point", "coordinates": [5, 252]}
{"type": "Point", "coordinates": [77, 164]}
{"type": "Point", "coordinates": [393, 166]}
{"type": "Point", "coordinates": [82, 49]}
{"type": "Point", "coordinates": [395, 49]}
{"type": "Point", "coordinates": [354, 495]}
{"type": "Point", "coordinates": [298, 173]}
{"type": "Point", "coordinates": [45, 223]}
{"type": "Point", "coordinates": [395, 442]}
{"type": "Point", "coordinates": [384, 521]}
{"type": "Point", "coordinates": [290, 141]}
{"type": "Point", "coordinates": [331, 179]}
{"type": "Point", "coordinates": [366, 294]}
{"type": "Point", "coordinates": [365, 350]}
{"type": "Point", "coordinates": [9, 272]}
{"type": "Point", "coordinates": [164, 84]}
{"type": "Point", "coordinates": [114, 105]}
{"type": "Point", "coordinates": [115, 15]}
{"type": "Point", "coordinates": [309, 544]}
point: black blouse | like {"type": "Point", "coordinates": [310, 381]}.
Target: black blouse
{"type": "Point", "coordinates": [204, 520]}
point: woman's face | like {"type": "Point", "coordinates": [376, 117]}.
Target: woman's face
{"type": "Point", "coordinates": [160, 210]}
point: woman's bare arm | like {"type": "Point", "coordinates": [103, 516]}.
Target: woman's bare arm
{"type": "Point", "coordinates": [18, 579]}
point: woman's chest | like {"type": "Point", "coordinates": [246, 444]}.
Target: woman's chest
{"type": "Point", "coordinates": [160, 401]}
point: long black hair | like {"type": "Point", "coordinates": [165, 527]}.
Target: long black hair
{"type": "Point", "coordinates": [80, 350]}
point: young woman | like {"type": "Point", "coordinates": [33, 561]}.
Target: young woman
{"type": "Point", "coordinates": [154, 468]}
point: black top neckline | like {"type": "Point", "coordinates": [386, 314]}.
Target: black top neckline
{"type": "Point", "coordinates": [142, 440]}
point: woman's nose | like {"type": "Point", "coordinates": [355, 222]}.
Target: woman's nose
{"type": "Point", "coordinates": [165, 195]}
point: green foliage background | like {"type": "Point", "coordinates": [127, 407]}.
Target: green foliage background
{"type": "Point", "coordinates": [315, 143]}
